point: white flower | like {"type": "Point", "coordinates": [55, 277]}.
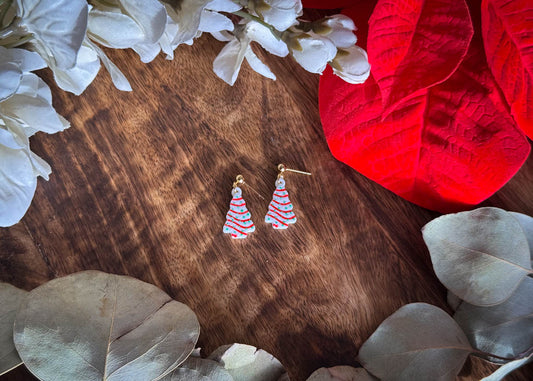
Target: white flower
{"type": "Point", "coordinates": [351, 64]}
{"type": "Point", "coordinates": [57, 27]}
{"type": "Point", "coordinates": [187, 20]}
{"type": "Point", "coordinates": [339, 29]}
{"type": "Point", "coordinates": [281, 14]}
{"type": "Point", "coordinates": [228, 62]}
{"type": "Point", "coordinates": [312, 51]}
{"type": "Point", "coordinates": [135, 24]}
{"type": "Point", "coordinates": [23, 113]}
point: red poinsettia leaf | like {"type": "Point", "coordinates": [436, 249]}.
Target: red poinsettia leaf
{"type": "Point", "coordinates": [415, 44]}
{"type": "Point", "coordinates": [327, 4]}
{"type": "Point", "coordinates": [446, 149]}
{"type": "Point", "coordinates": [507, 28]}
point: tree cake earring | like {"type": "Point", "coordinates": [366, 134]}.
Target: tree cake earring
{"type": "Point", "coordinates": [280, 213]}
{"type": "Point", "coordinates": [238, 219]}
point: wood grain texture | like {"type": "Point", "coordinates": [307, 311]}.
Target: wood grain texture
{"type": "Point", "coordinates": [142, 182]}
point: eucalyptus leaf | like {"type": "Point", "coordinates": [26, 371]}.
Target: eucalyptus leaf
{"type": "Point", "coordinates": [526, 222]}
{"type": "Point", "coordinates": [96, 326]}
{"type": "Point", "coordinates": [506, 369]}
{"type": "Point", "coordinates": [209, 368]}
{"type": "Point", "coordinates": [341, 373]}
{"type": "Point", "coordinates": [247, 363]}
{"type": "Point", "coordinates": [10, 299]}
{"type": "Point", "coordinates": [184, 374]}
{"type": "Point", "coordinates": [417, 342]}
{"type": "Point", "coordinates": [504, 330]}
{"type": "Point", "coordinates": [453, 300]}
{"type": "Point", "coordinates": [481, 255]}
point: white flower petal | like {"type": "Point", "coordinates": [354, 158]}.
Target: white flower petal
{"type": "Point", "coordinates": [186, 14]}
{"type": "Point", "coordinates": [223, 6]}
{"type": "Point", "coordinates": [40, 167]}
{"type": "Point", "coordinates": [113, 29]}
{"type": "Point", "coordinates": [10, 76]}
{"type": "Point", "coordinates": [282, 13]}
{"type": "Point", "coordinates": [340, 31]}
{"type": "Point", "coordinates": [80, 76]}
{"type": "Point", "coordinates": [262, 35]}
{"type": "Point", "coordinates": [18, 183]}
{"type": "Point", "coordinates": [222, 36]}
{"type": "Point", "coordinates": [214, 22]}
{"type": "Point", "coordinates": [58, 27]}
{"type": "Point", "coordinates": [119, 80]}
{"type": "Point", "coordinates": [147, 52]}
{"type": "Point", "coordinates": [166, 39]}
{"type": "Point", "coordinates": [26, 60]}
{"type": "Point", "coordinates": [8, 139]}
{"type": "Point", "coordinates": [150, 15]}
{"type": "Point", "coordinates": [228, 62]}
{"type": "Point", "coordinates": [256, 64]}
{"type": "Point", "coordinates": [316, 51]}
{"type": "Point", "coordinates": [31, 109]}
{"type": "Point", "coordinates": [352, 65]}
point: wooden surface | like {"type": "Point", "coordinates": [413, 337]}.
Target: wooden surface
{"type": "Point", "coordinates": [141, 186]}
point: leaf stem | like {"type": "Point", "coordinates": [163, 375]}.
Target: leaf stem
{"type": "Point", "coordinates": [488, 356]}
{"type": "Point", "coordinates": [246, 15]}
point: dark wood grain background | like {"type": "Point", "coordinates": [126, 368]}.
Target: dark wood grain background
{"type": "Point", "coordinates": [141, 183]}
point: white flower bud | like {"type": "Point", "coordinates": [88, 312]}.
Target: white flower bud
{"type": "Point", "coordinates": [339, 29]}
{"type": "Point", "coordinates": [312, 51]}
{"type": "Point", "coordinates": [351, 64]}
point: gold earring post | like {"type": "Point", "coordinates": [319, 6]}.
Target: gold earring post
{"type": "Point", "coordinates": [282, 169]}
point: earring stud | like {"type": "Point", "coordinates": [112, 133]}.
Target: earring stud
{"type": "Point", "coordinates": [238, 219]}
{"type": "Point", "coordinates": [280, 210]}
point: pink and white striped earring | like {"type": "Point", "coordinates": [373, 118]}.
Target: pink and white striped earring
{"type": "Point", "coordinates": [238, 219]}
{"type": "Point", "coordinates": [280, 210]}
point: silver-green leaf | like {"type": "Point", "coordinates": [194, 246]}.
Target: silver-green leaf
{"type": "Point", "coordinates": [209, 368]}
{"type": "Point", "coordinates": [10, 299]}
{"type": "Point", "coordinates": [417, 342]}
{"type": "Point", "coordinates": [526, 222]}
{"type": "Point", "coordinates": [184, 374]}
{"type": "Point", "coordinates": [341, 373]}
{"type": "Point", "coordinates": [504, 330]}
{"type": "Point", "coordinates": [481, 255]}
{"type": "Point", "coordinates": [247, 363]}
{"type": "Point", "coordinates": [96, 326]}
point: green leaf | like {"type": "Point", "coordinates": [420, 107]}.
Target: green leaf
{"type": "Point", "coordinates": [10, 299]}
{"type": "Point", "coordinates": [508, 368]}
{"type": "Point", "coordinates": [341, 373]}
{"type": "Point", "coordinates": [247, 363]}
{"type": "Point", "coordinates": [481, 255]}
{"type": "Point", "coordinates": [504, 330]}
{"type": "Point", "coordinates": [96, 326]}
{"type": "Point", "coordinates": [417, 342]}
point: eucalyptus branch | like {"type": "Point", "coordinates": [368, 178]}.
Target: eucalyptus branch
{"type": "Point", "coordinates": [246, 15]}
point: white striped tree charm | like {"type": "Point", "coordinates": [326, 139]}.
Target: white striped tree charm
{"type": "Point", "coordinates": [280, 213]}
{"type": "Point", "coordinates": [238, 219]}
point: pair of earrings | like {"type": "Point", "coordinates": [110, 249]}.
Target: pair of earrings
{"type": "Point", "coordinates": [280, 210]}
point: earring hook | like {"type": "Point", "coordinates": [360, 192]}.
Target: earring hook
{"type": "Point", "coordinates": [240, 180]}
